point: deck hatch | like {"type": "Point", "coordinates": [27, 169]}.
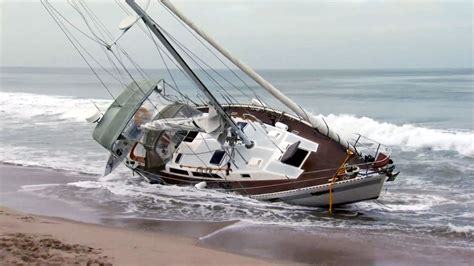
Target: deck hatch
{"type": "Point", "coordinates": [296, 159]}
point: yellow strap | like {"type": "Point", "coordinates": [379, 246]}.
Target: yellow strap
{"type": "Point", "coordinates": [334, 178]}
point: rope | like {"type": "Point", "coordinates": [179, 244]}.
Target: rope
{"type": "Point", "coordinates": [334, 178]}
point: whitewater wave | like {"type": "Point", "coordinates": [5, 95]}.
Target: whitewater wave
{"type": "Point", "coordinates": [27, 105]}
{"type": "Point", "coordinates": [460, 229]}
{"type": "Point", "coordinates": [61, 160]}
{"type": "Point", "coordinates": [143, 200]}
{"type": "Point", "coordinates": [407, 137]}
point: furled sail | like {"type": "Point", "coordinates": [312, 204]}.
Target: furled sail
{"type": "Point", "coordinates": [205, 122]}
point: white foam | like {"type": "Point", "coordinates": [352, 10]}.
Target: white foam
{"type": "Point", "coordinates": [27, 105]}
{"type": "Point", "coordinates": [405, 202]}
{"type": "Point", "coordinates": [460, 229]}
{"type": "Point", "coordinates": [407, 137]}
{"type": "Point", "coordinates": [174, 202]}
{"type": "Point", "coordinates": [31, 188]}
{"type": "Point", "coordinates": [55, 159]}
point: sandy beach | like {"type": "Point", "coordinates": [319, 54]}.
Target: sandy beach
{"type": "Point", "coordinates": [35, 239]}
{"type": "Point", "coordinates": [43, 230]}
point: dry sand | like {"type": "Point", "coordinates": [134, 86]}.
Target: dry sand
{"type": "Point", "coordinates": [31, 239]}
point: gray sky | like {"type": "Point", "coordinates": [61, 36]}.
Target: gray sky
{"type": "Point", "coordinates": [270, 34]}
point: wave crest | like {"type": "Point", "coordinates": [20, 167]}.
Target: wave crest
{"type": "Point", "coordinates": [26, 105]}
{"type": "Point", "coordinates": [407, 137]}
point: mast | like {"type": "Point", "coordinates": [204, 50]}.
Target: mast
{"type": "Point", "coordinates": [150, 23]}
{"type": "Point", "coordinates": [319, 125]}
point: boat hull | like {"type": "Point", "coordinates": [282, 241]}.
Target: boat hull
{"type": "Point", "coordinates": [343, 192]}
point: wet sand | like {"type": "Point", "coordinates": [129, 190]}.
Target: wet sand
{"type": "Point", "coordinates": [35, 239]}
{"type": "Point", "coordinates": [101, 238]}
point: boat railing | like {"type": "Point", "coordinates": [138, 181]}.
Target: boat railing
{"type": "Point", "coordinates": [374, 152]}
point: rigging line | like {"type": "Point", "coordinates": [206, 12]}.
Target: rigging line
{"type": "Point", "coordinates": [65, 31]}
{"type": "Point", "coordinates": [94, 17]}
{"type": "Point", "coordinates": [125, 10]}
{"type": "Point", "coordinates": [162, 58]}
{"type": "Point", "coordinates": [151, 37]}
{"type": "Point", "coordinates": [172, 60]}
{"type": "Point", "coordinates": [137, 84]}
{"type": "Point", "coordinates": [179, 45]}
{"type": "Point", "coordinates": [134, 81]}
{"type": "Point", "coordinates": [113, 64]}
{"type": "Point", "coordinates": [210, 50]}
{"type": "Point", "coordinates": [104, 33]}
{"type": "Point", "coordinates": [215, 71]}
{"type": "Point", "coordinates": [180, 93]}
{"type": "Point", "coordinates": [204, 163]}
{"type": "Point", "coordinates": [75, 7]}
{"type": "Point", "coordinates": [264, 130]}
{"type": "Point", "coordinates": [135, 64]}
{"type": "Point", "coordinates": [205, 142]}
{"type": "Point", "coordinates": [213, 53]}
{"type": "Point", "coordinates": [122, 7]}
{"type": "Point", "coordinates": [72, 25]}
{"type": "Point", "coordinates": [137, 67]}
{"type": "Point", "coordinates": [119, 48]}
{"type": "Point", "coordinates": [183, 48]}
{"type": "Point", "coordinates": [55, 13]}
{"type": "Point", "coordinates": [200, 97]}
{"type": "Point", "coordinates": [226, 99]}
{"type": "Point", "coordinates": [186, 50]}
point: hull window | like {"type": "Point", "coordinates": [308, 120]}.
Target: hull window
{"type": "Point", "coordinates": [217, 157]}
{"type": "Point", "coordinates": [178, 171]}
{"type": "Point", "coordinates": [201, 174]}
{"type": "Point", "coordinates": [178, 157]}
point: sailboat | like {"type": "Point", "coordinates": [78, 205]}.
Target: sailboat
{"type": "Point", "coordinates": [248, 148]}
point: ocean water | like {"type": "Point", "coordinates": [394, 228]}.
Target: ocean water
{"type": "Point", "coordinates": [425, 116]}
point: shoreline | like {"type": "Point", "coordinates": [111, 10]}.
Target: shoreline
{"type": "Point", "coordinates": [190, 242]}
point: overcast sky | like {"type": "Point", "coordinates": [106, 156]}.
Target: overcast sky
{"type": "Point", "coordinates": [271, 34]}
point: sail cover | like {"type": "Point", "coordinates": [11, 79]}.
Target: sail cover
{"type": "Point", "coordinates": [121, 111]}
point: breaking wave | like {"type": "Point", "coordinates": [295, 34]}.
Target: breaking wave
{"type": "Point", "coordinates": [460, 229]}
{"type": "Point", "coordinates": [27, 105]}
{"type": "Point", "coordinates": [407, 137]}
